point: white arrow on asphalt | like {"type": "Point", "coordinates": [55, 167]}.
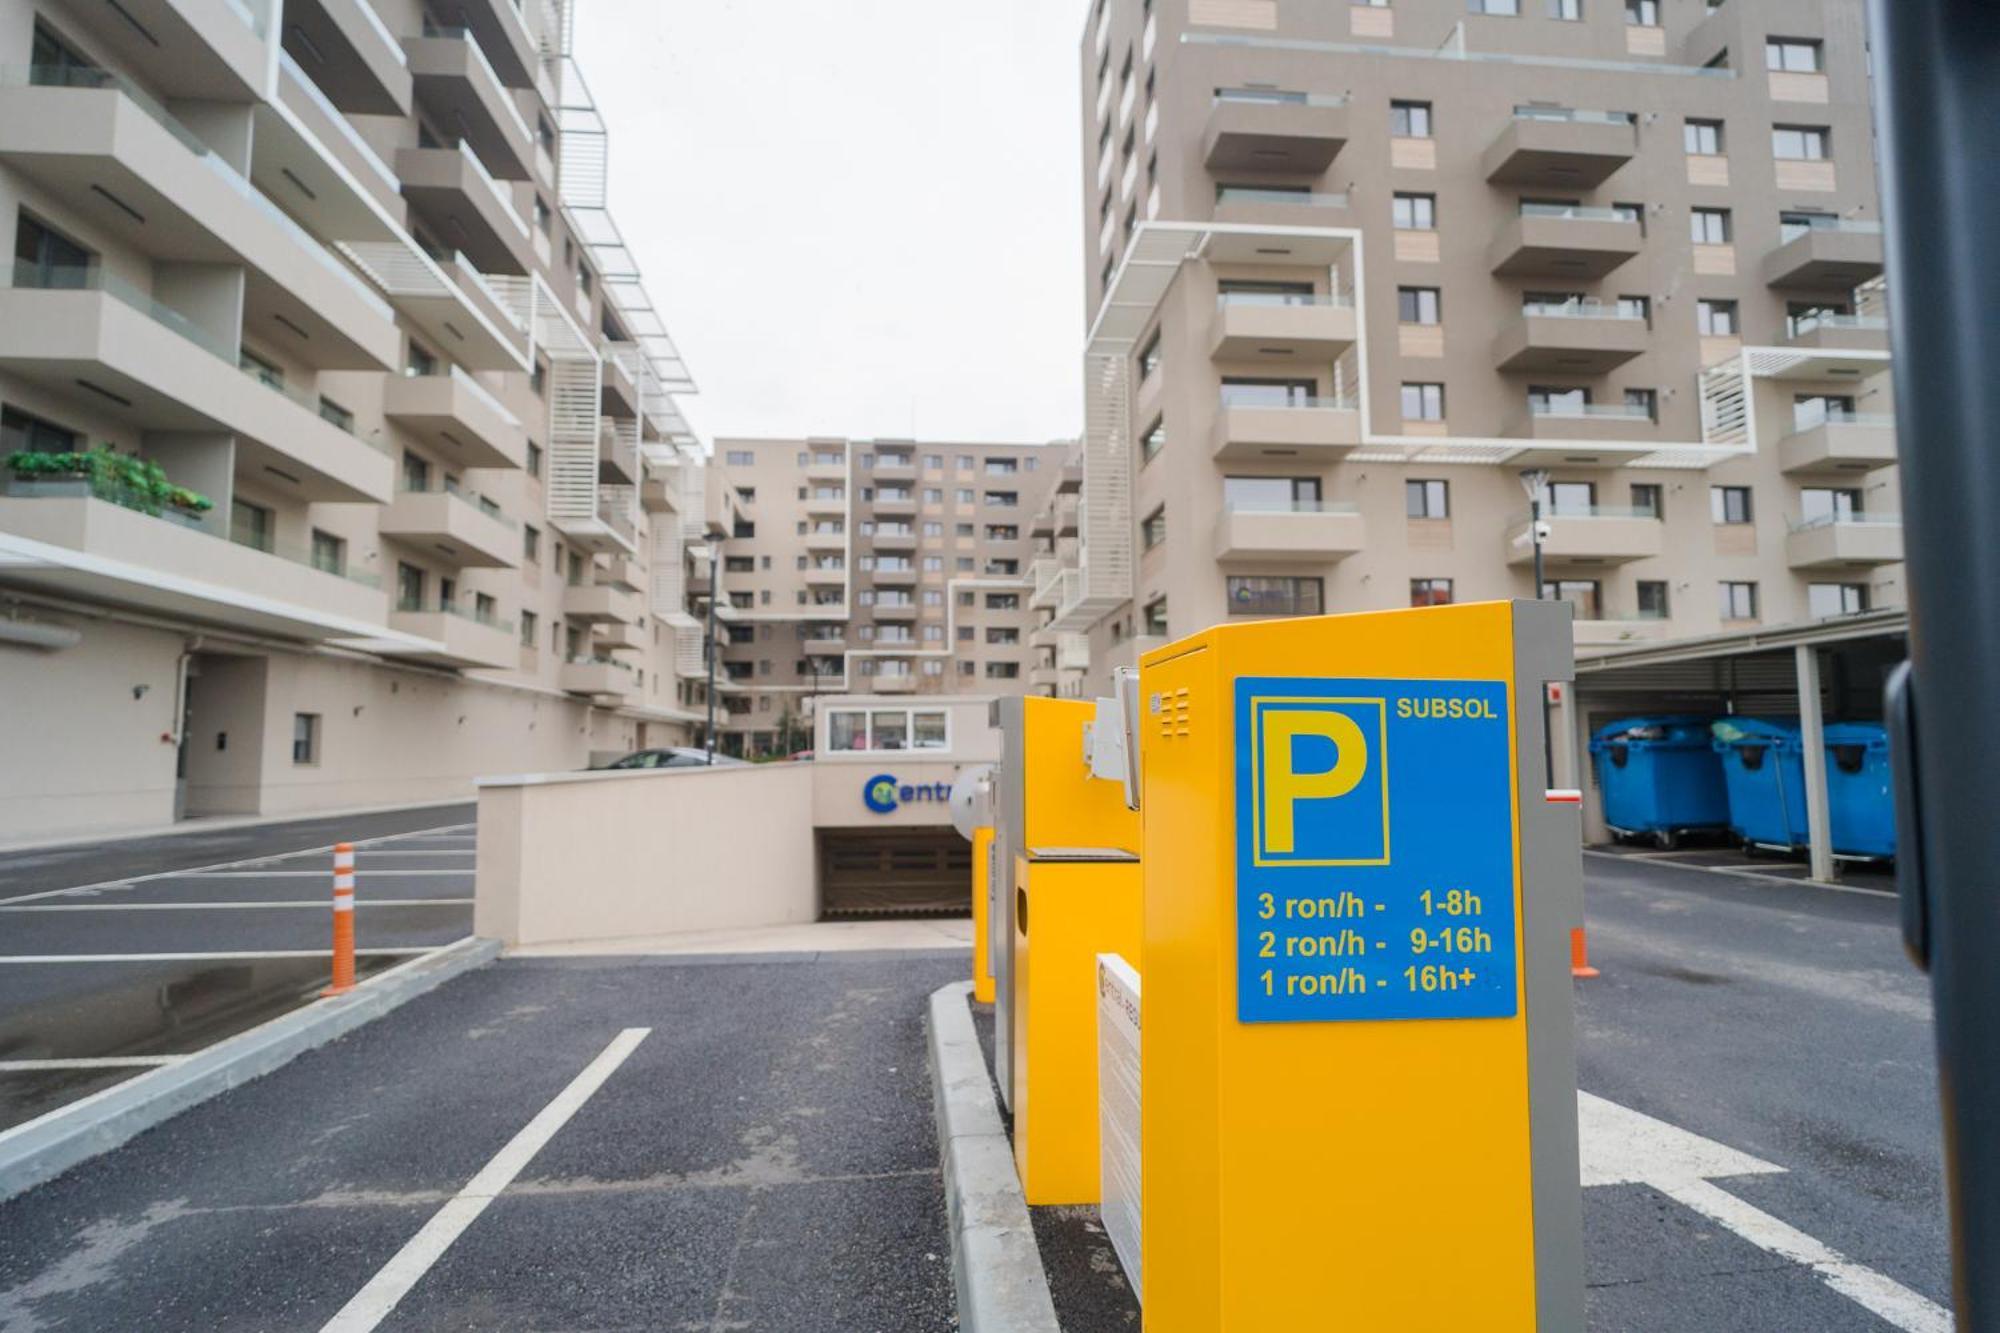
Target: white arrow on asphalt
{"type": "Point", "coordinates": [1623, 1147]}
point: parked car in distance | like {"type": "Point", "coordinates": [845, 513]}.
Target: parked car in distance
{"type": "Point", "coordinates": [672, 756]}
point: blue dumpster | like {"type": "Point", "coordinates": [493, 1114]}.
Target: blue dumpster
{"type": "Point", "coordinates": [1763, 768]}
{"type": "Point", "coordinates": [1660, 776]}
{"type": "Point", "coordinates": [1859, 806]}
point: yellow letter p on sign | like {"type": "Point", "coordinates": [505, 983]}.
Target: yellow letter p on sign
{"type": "Point", "coordinates": [1284, 784]}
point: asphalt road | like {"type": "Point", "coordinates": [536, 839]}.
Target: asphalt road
{"type": "Point", "coordinates": [134, 950]}
{"type": "Point", "coordinates": [763, 1159]}
{"type": "Point", "coordinates": [1774, 1018]}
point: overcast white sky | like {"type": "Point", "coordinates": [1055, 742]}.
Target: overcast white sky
{"type": "Point", "coordinates": [859, 218]}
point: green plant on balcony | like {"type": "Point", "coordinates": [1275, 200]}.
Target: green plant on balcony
{"type": "Point", "coordinates": [123, 479]}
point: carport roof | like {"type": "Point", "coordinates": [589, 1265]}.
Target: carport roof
{"type": "Point", "coordinates": [1756, 639]}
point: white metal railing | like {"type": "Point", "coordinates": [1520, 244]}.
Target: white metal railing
{"type": "Point", "coordinates": [1580, 308]}
{"type": "Point", "coordinates": [1273, 396]}
{"type": "Point", "coordinates": [1571, 115]}
{"type": "Point", "coordinates": [1574, 212]}
{"type": "Point", "coordinates": [1791, 231]}
{"type": "Point", "coordinates": [1328, 299]}
{"type": "Point", "coordinates": [1797, 326]}
{"type": "Point", "coordinates": [1872, 518]}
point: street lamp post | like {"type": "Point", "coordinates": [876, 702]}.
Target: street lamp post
{"type": "Point", "coordinates": [714, 592]}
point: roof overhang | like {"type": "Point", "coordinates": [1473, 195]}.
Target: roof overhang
{"type": "Point", "coordinates": [1738, 643]}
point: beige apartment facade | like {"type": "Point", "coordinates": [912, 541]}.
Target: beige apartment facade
{"type": "Point", "coordinates": [872, 567]}
{"type": "Point", "coordinates": [1360, 276]}
{"type": "Point", "coordinates": [397, 490]}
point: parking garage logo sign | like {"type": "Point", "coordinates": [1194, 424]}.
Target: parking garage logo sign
{"type": "Point", "coordinates": [883, 795]}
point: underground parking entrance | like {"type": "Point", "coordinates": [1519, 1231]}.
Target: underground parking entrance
{"type": "Point", "coordinates": [893, 872]}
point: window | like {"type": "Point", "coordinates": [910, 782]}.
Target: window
{"type": "Point", "coordinates": [1643, 403]}
{"type": "Point", "coordinates": [1646, 499]}
{"type": "Point", "coordinates": [1156, 617]}
{"type": "Point", "coordinates": [55, 62]}
{"type": "Point", "coordinates": [1820, 504]}
{"type": "Point", "coordinates": [335, 414]}
{"type": "Point", "coordinates": [1417, 305]}
{"type": "Point", "coordinates": [1636, 307]}
{"type": "Point", "coordinates": [1003, 601]}
{"type": "Point", "coordinates": [1281, 494]}
{"type": "Point", "coordinates": [1652, 595]}
{"type": "Point", "coordinates": [741, 457]}
{"type": "Point", "coordinates": [1154, 530]}
{"type": "Point", "coordinates": [1546, 402]}
{"type": "Point", "coordinates": [1792, 55]}
{"type": "Point", "coordinates": [1739, 601]}
{"type": "Point", "coordinates": [967, 668]}
{"type": "Point", "coordinates": [1154, 440]}
{"type": "Point", "coordinates": [1149, 361]}
{"type": "Point", "coordinates": [1583, 594]}
{"type": "Point", "coordinates": [1003, 636]}
{"type": "Point", "coordinates": [1003, 670]}
{"type": "Point", "coordinates": [530, 629]}
{"type": "Point", "coordinates": [1642, 13]}
{"type": "Point", "coordinates": [1410, 120]}
{"type": "Point", "coordinates": [1498, 8]}
{"type": "Point", "coordinates": [933, 462]}
{"type": "Point", "coordinates": [1816, 409]}
{"type": "Point", "coordinates": [534, 459]}
{"type": "Point", "coordinates": [531, 543]}
{"type": "Point", "coordinates": [1002, 532]}
{"type": "Point", "coordinates": [251, 525]}
{"type": "Point", "coordinates": [1569, 11]}
{"type": "Point", "coordinates": [1423, 402]}
{"type": "Point", "coordinates": [18, 430]}
{"type": "Point", "coordinates": [1427, 499]}
{"type": "Point", "coordinates": [305, 738]}
{"type": "Point", "coordinates": [1709, 226]}
{"type": "Point", "coordinates": [1573, 498]}
{"type": "Point", "coordinates": [44, 257]}
{"type": "Point", "coordinates": [1836, 599]}
{"type": "Point", "coordinates": [1430, 592]}
{"type": "Point", "coordinates": [1273, 595]}
{"type": "Point", "coordinates": [1715, 319]}
{"type": "Point", "coordinates": [329, 553]}
{"type": "Point", "coordinates": [257, 368]}
{"type": "Point", "coordinates": [1414, 212]}
{"type": "Point", "coordinates": [1799, 143]}
{"type": "Point", "coordinates": [409, 587]}
{"type": "Point", "coordinates": [1802, 317]}
{"type": "Point", "coordinates": [1702, 138]}
{"type": "Point", "coordinates": [1729, 504]}
{"type": "Point", "coordinates": [416, 473]}
{"type": "Point", "coordinates": [965, 496]}
{"type": "Point", "coordinates": [933, 495]}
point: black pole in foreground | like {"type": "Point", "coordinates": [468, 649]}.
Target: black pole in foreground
{"type": "Point", "coordinates": [1937, 107]}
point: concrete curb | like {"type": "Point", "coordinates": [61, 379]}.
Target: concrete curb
{"type": "Point", "coordinates": [49, 1145]}
{"type": "Point", "coordinates": [995, 1264]}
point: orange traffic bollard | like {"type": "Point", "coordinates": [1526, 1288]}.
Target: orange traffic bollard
{"type": "Point", "coordinates": [343, 920]}
{"type": "Point", "coordinates": [1579, 955]}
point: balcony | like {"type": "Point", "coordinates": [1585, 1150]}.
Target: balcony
{"type": "Point", "coordinates": [1834, 255]}
{"type": "Point", "coordinates": [173, 199]}
{"type": "Point", "coordinates": [1572, 338]}
{"type": "Point", "coordinates": [205, 50]}
{"type": "Point", "coordinates": [618, 461]}
{"type": "Point", "coordinates": [618, 637]}
{"type": "Point", "coordinates": [896, 465]}
{"type": "Point", "coordinates": [825, 576]}
{"type": "Point", "coordinates": [467, 530]}
{"type": "Point", "coordinates": [1313, 532]}
{"type": "Point", "coordinates": [821, 470]}
{"type": "Point", "coordinates": [602, 679]}
{"type": "Point", "coordinates": [904, 577]}
{"type": "Point", "coordinates": [896, 610]}
{"type": "Point", "coordinates": [351, 54]}
{"type": "Point", "coordinates": [1845, 541]}
{"type": "Point", "coordinates": [905, 540]}
{"type": "Point", "coordinates": [1270, 206]}
{"type": "Point", "coordinates": [1841, 442]}
{"type": "Point", "coordinates": [825, 539]}
{"type": "Point", "coordinates": [456, 415]}
{"type": "Point", "coordinates": [660, 492]}
{"type": "Point", "coordinates": [459, 88]}
{"type": "Point", "coordinates": [1554, 240]}
{"type": "Point", "coordinates": [1265, 129]}
{"type": "Point", "coordinates": [1598, 535]}
{"type": "Point", "coordinates": [825, 502]}
{"type": "Point", "coordinates": [131, 359]}
{"type": "Point", "coordinates": [465, 207]}
{"type": "Point", "coordinates": [504, 39]}
{"type": "Point", "coordinates": [75, 546]}
{"type": "Point", "coordinates": [619, 384]}
{"type": "Point", "coordinates": [1254, 426]}
{"type": "Point", "coordinates": [459, 636]}
{"type": "Point", "coordinates": [904, 503]}
{"type": "Point", "coordinates": [1560, 148]}
{"type": "Point", "coordinates": [602, 602]}
{"type": "Point", "coordinates": [825, 645]}
{"type": "Point", "coordinates": [1592, 422]}
{"type": "Point", "coordinates": [1833, 332]}
{"type": "Point", "coordinates": [904, 682]}
{"type": "Point", "coordinates": [1252, 326]}
{"type": "Point", "coordinates": [622, 571]}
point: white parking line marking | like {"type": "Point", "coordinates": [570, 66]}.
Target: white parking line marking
{"type": "Point", "coordinates": [1739, 872]}
{"type": "Point", "coordinates": [315, 904]}
{"type": "Point", "coordinates": [276, 874]}
{"type": "Point", "coordinates": [409, 952]}
{"type": "Point", "coordinates": [90, 1062]}
{"type": "Point", "coordinates": [129, 880]}
{"type": "Point", "coordinates": [372, 1304]}
{"type": "Point", "coordinates": [1624, 1147]}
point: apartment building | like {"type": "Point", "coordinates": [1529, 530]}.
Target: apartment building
{"type": "Point", "coordinates": [343, 455]}
{"type": "Point", "coordinates": [1364, 277]}
{"type": "Point", "coordinates": [891, 567]}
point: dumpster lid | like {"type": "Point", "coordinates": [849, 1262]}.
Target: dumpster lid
{"type": "Point", "coordinates": [1691, 726]}
{"type": "Point", "coordinates": [1871, 734]}
{"type": "Point", "coordinates": [1754, 731]}
{"type": "Point", "coordinates": [1081, 854]}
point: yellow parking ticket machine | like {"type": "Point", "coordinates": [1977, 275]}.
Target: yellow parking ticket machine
{"type": "Point", "coordinates": [1358, 1084]}
{"type": "Point", "coordinates": [1071, 904]}
{"type": "Point", "coordinates": [1046, 796]}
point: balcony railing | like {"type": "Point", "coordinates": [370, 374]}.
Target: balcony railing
{"type": "Point", "coordinates": [1791, 231]}
{"type": "Point", "coordinates": [1574, 212]}
{"type": "Point", "coordinates": [1797, 326]}
{"type": "Point", "coordinates": [1332, 299]}
{"type": "Point", "coordinates": [474, 499]}
{"type": "Point", "coordinates": [432, 606]}
{"type": "Point", "coordinates": [1237, 504]}
{"type": "Point", "coordinates": [337, 119]}
{"type": "Point", "coordinates": [1261, 395]}
{"type": "Point", "coordinates": [1590, 411]}
{"type": "Point", "coordinates": [1861, 518]}
{"type": "Point", "coordinates": [1585, 511]}
{"type": "Point", "coordinates": [1578, 309]}
{"type": "Point", "coordinates": [1571, 115]}
{"type": "Point", "coordinates": [1811, 418]}
{"type": "Point", "coordinates": [1278, 97]}
{"type": "Point", "coordinates": [1246, 194]}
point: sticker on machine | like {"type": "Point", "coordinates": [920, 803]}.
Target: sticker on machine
{"type": "Point", "coordinates": [1375, 850]}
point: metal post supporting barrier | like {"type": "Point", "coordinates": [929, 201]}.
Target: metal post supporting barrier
{"type": "Point", "coordinates": [343, 919]}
